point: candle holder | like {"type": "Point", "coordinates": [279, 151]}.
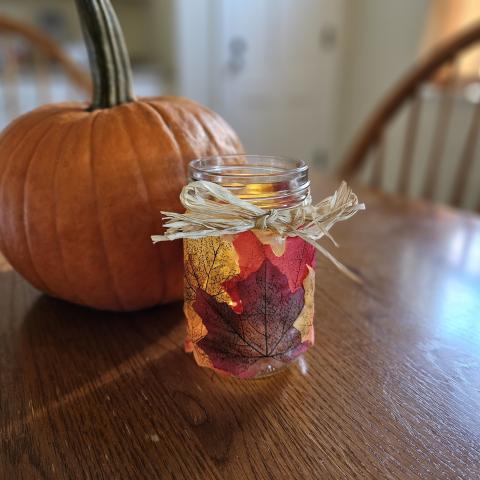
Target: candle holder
{"type": "Point", "coordinates": [250, 239]}
{"type": "Point", "coordinates": [249, 296]}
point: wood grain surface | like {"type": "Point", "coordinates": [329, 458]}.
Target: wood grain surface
{"type": "Point", "coordinates": [390, 390]}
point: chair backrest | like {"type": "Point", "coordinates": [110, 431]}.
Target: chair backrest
{"type": "Point", "coordinates": [34, 70]}
{"type": "Point", "coordinates": [433, 79]}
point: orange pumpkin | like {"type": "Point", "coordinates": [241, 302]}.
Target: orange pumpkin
{"type": "Point", "coordinates": [81, 187]}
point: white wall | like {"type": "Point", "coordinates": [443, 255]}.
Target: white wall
{"type": "Point", "coordinates": [192, 57]}
{"type": "Point", "coordinates": [383, 38]}
{"type": "Point", "coordinates": [283, 98]}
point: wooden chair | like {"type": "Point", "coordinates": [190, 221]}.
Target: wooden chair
{"type": "Point", "coordinates": [32, 62]}
{"type": "Point", "coordinates": [440, 65]}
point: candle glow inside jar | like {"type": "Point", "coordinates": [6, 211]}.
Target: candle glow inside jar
{"type": "Point", "coordinates": [249, 296]}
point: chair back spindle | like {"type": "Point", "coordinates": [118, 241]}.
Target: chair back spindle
{"type": "Point", "coordinates": [466, 160]}
{"type": "Point", "coordinates": [43, 79]}
{"type": "Point", "coordinates": [442, 123]}
{"type": "Point", "coordinates": [378, 162]}
{"type": "Point", "coordinates": [409, 145]}
{"type": "Point", "coordinates": [11, 95]}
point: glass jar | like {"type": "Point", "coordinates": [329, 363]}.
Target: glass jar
{"type": "Point", "coordinates": [249, 297]}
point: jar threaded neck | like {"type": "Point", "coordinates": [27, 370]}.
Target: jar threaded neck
{"type": "Point", "coordinates": [266, 181]}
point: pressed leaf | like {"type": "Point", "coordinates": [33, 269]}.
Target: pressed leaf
{"type": "Point", "coordinates": [195, 328]}
{"type": "Point", "coordinates": [304, 322]}
{"type": "Point", "coordinates": [294, 263]}
{"type": "Point", "coordinates": [264, 329]}
{"type": "Point", "coordinates": [209, 262]}
{"type": "Point", "coordinates": [276, 242]}
{"type": "Point", "coordinates": [250, 251]}
{"type": "Point", "coordinates": [296, 257]}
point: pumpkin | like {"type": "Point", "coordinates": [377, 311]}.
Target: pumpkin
{"type": "Point", "coordinates": [82, 186]}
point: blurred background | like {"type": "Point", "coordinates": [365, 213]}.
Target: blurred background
{"type": "Point", "coordinates": [293, 77]}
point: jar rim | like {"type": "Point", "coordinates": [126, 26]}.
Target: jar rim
{"type": "Point", "coordinates": [271, 181]}
{"type": "Point", "coordinates": [200, 164]}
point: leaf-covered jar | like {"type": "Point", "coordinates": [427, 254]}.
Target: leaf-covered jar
{"type": "Point", "coordinates": [249, 296]}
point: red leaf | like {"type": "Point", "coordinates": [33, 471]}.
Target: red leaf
{"type": "Point", "coordinates": [264, 330]}
{"type": "Point", "coordinates": [252, 253]}
{"type": "Point", "coordinates": [293, 263]}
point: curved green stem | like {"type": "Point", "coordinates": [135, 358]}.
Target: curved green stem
{"type": "Point", "coordinates": [107, 53]}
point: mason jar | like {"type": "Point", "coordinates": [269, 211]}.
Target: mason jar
{"type": "Point", "coordinates": [249, 297]}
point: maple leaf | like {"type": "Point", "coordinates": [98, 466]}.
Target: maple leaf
{"type": "Point", "coordinates": [304, 322]}
{"type": "Point", "coordinates": [293, 261]}
{"type": "Point", "coordinates": [262, 331]}
{"type": "Point", "coordinates": [209, 262]}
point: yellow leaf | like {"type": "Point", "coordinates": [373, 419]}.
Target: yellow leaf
{"type": "Point", "coordinates": [304, 322]}
{"type": "Point", "coordinates": [209, 261]}
{"type": "Point", "coordinates": [276, 242]}
{"type": "Point", "coordinates": [195, 328]}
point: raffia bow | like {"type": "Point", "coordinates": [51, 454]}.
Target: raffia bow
{"type": "Point", "coordinates": [212, 210]}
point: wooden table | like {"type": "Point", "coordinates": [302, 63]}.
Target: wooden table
{"type": "Point", "coordinates": [390, 390]}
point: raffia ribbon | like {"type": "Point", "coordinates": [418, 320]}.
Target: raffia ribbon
{"type": "Point", "coordinates": [212, 210]}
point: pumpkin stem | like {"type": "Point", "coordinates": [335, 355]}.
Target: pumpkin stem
{"type": "Point", "coordinates": [107, 53]}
